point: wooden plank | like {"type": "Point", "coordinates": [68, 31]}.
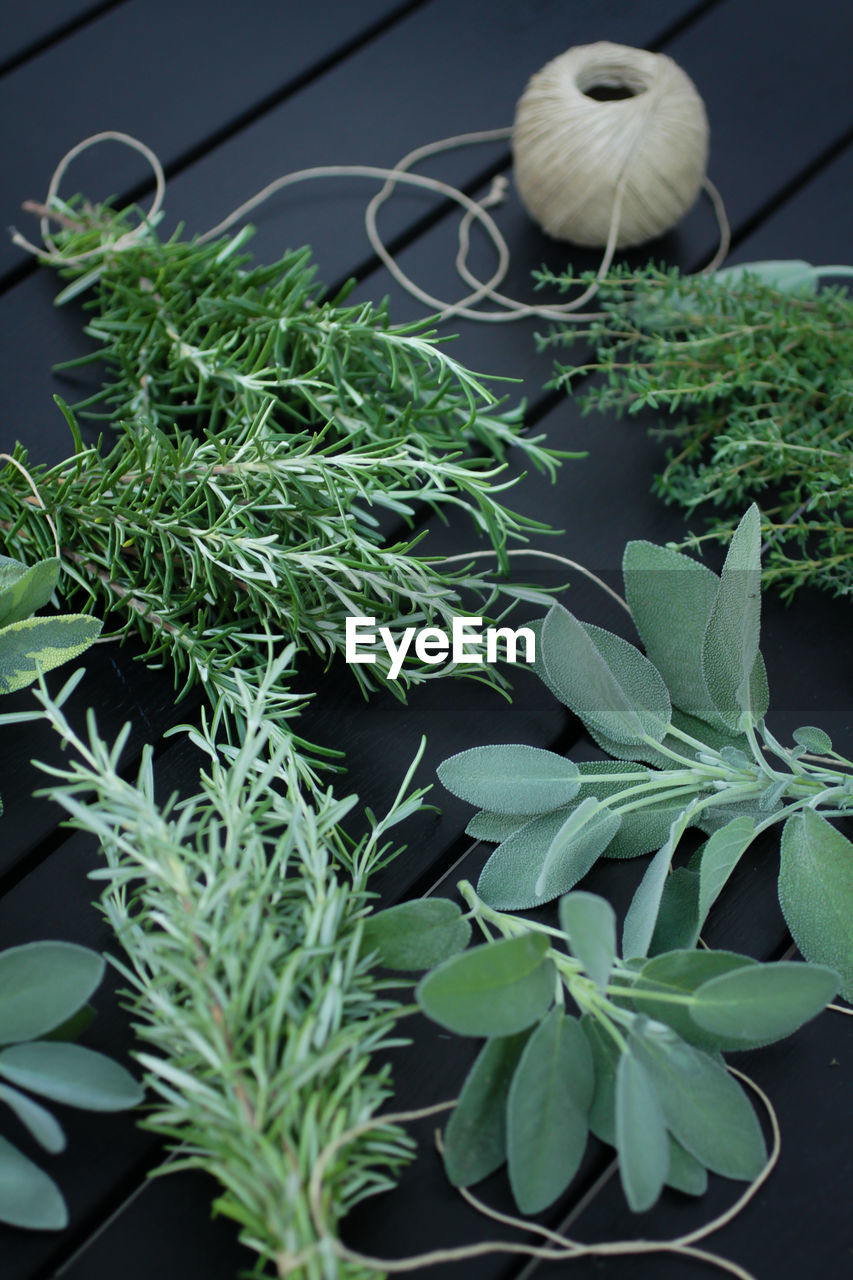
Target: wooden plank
{"type": "Point", "coordinates": [304, 130]}
{"type": "Point", "coordinates": [366, 747]}
{"type": "Point", "coordinates": [447, 69]}
{"type": "Point", "coordinates": [29, 28]}
{"type": "Point", "coordinates": [121, 688]}
{"type": "Point", "coordinates": [174, 74]}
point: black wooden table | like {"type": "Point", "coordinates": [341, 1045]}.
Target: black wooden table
{"type": "Point", "coordinates": [230, 95]}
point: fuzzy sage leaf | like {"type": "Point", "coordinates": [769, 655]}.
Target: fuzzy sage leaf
{"type": "Point", "coordinates": [511, 779]}
{"type": "Point", "coordinates": [42, 984]}
{"type": "Point", "coordinates": [604, 679]}
{"type": "Point", "coordinates": [28, 1196]}
{"type": "Point", "coordinates": [589, 924]}
{"type": "Point", "coordinates": [705, 1108]}
{"type": "Point", "coordinates": [416, 935]}
{"type": "Point", "coordinates": [641, 1137]}
{"type": "Point", "coordinates": [475, 1137]}
{"type": "Point", "coordinates": [71, 1074]}
{"type": "Point", "coordinates": [763, 1002]}
{"type": "Point", "coordinates": [816, 892]}
{"type": "Point", "coordinates": [24, 589]}
{"type": "Point", "coordinates": [546, 1112]}
{"type": "Point", "coordinates": [491, 991]}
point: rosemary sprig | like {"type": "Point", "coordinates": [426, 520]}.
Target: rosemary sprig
{"type": "Point", "coordinates": [240, 912]}
{"type": "Point", "coordinates": [190, 330]}
{"type": "Point", "coordinates": [234, 513]}
{"type": "Point", "coordinates": [261, 442]}
{"type": "Point", "coordinates": [754, 375]}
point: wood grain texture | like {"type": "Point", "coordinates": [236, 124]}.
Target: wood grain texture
{"type": "Point", "coordinates": [28, 29]}
{"type": "Point", "coordinates": [445, 67]}
{"type": "Point", "coordinates": [175, 75]}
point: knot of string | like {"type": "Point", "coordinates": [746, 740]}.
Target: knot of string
{"type": "Point", "coordinates": [467, 308]}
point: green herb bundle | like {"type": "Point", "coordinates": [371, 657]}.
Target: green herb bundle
{"type": "Point", "coordinates": [233, 517]}
{"type": "Point", "coordinates": [260, 437]}
{"type": "Point", "coordinates": [685, 725]}
{"type": "Point", "coordinates": [753, 368]}
{"type": "Point", "coordinates": [639, 1067]}
{"type": "Point", "coordinates": [240, 912]}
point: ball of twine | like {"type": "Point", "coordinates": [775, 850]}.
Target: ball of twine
{"type": "Point", "coordinates": [606, 132]}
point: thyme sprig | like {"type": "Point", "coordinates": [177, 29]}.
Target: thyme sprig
{"type": "Point", "coordinates": [752, 369]}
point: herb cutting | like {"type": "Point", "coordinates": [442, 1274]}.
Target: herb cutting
{"type": "Point", "coordinates": [752, 367]}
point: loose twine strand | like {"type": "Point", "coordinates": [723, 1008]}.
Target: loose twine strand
{"type": "Point", "coordinates": [559, 1248]}
{"type": "Point", "coordinates": [474, 211]}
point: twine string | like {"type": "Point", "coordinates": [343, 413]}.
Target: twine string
{"type": "Point", "coordinates": [49, 250]}
{"type": "Point", "coordinates": [558, 1247]}
{"type": "Point", "coordinates": [473, 211]}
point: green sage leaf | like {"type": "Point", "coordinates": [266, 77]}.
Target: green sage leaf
{"type": "Point", "coordinates": [546, 1112]}
{"type": "Point", "coordinates": [720, 855]}
{"type": "Point", "coordinates": [584, 835]}
{"type": "Point", "coordinates": [71, 1074]}
{"type": "Point", "coordinates": [28, 1197]}
{"type": "Point", "coordinates": [511, 779]}
{"type": "Point", "coordinates": [730, 658]}
{"type": "Point", "coordinates": [813, 739]}
{"type": "Point", "coordinates": [681, 973]}
{"type": "Point", "coordinates": [788, 275]}
{"type": "Point", "coordinates": [604, 679]}
{"type": "Point", "coordinates": [671, 597]}
{"type": "Point", "coordinates": [496, 989]}
{"type": "Point", "coordinates": [45, 1129]}
{"type": "Point", "coordinates": [508, 880]}
{"type": "Point", "coordinates": [25, 588]}
{"type": "Point", "coordinates": [763, 1001]}
{"type": "Point", "coordinates": [589, 923]}
{"type": "Point", "coordinates": [705, 1108]}
{"type": "Point", "coordinates": [42, 984]}
{"type": "Point", "coordinates": [42, 643]}
{"type": "Point", "coordinates": [546, 857]}
{"type": "Point", "coordinates": [495, 826]}
{"type": "Point", "coordinates": [605, 1062]}
{"type": "Point", "coordinates": [641, 830]}
{"type": "Point", "coordinates": [475, 1137]}
{"type": "Point", "coordinates": [639, 925]}
{"type": "Point", "coordinates": [685, 1173]}
{"type": "Point", "coordinates": [416, 935]}
{"type": "Point", "coordinates": [677, 923]}
{"type": "Point", "coordinates": [816, 892]}
{"type": "Point", "coordinates": [641, 1137]}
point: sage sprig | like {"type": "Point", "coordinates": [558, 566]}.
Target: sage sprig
{"type": "Point", "coordinates": [44, 992]}
{"type": "Point", "coordinates": [633, 1059]}
{"type": "Point", "coordinates": [685, 723]}
{"type": "Point", "coordinates": [751, 366]}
